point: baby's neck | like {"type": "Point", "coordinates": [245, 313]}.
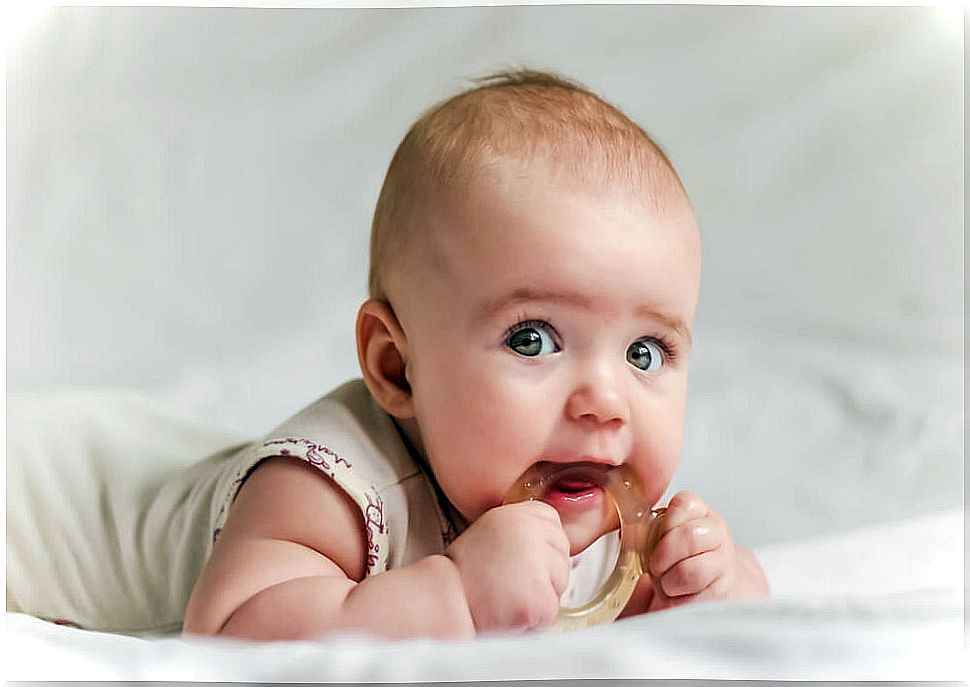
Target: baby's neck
{"type": "Point", "coordinates": [411, 436]}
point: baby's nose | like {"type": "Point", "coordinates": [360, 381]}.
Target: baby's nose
{"type": "Point", "coordinates": [598, 398]}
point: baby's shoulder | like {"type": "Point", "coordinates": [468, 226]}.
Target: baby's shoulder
{"type": "Point", "coordinates": [345, 433]}
{"type": "Point", "coordinates": [348, 438]}
{"type": "Point", "coordinates": [287, 500]}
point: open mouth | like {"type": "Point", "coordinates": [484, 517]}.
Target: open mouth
{"type": "Point", "coordinates": [573, 487]}
{"type": "Point", "coordinates": [583, 493]}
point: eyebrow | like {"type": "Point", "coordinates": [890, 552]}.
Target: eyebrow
{"type": "Point", "coordinates": [528, 294]}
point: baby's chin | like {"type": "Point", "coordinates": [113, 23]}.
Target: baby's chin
{"type": "Point", "coordinates": [585, 529]}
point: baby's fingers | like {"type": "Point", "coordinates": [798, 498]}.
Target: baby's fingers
{"type": "Point", "coordinates": [559, 572]}
{"type": "Point", "coordinates": [685, 540]}
{"type": "Point", "coordinates": [698, 575]}
{"type": "Point", "coordinates": [538, 509]}
{"type": "Point", "coordinates": [559, 543]}
{"type": "Point", "coordinates": [684, 506]}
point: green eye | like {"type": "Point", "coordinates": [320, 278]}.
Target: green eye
{"type": "Point", "coordinates": [645, 355]}
{"type": "Point", "coordinates": [531, 341]}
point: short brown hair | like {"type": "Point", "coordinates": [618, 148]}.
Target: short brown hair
{"type": "Point", "coordinates": [524, 115]}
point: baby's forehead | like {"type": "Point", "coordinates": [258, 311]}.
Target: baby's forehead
{"type": "Point", "coordinates": [515, 216]}
{"type": "Point", "coordinates": [506, 185]}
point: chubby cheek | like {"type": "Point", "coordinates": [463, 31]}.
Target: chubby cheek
{"type": "Point", "coordinates": [658, 451]}
{"type": "Point", "coordinates": [481, 432]}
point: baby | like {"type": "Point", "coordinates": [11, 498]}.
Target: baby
{"type": "Point", "coordinates": [535, 267]}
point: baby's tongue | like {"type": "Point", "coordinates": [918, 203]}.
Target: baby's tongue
{"type": "Point", "coordinates": [572, 485]}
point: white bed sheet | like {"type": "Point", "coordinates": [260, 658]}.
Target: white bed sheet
{"type": "Point", "coordinates": [885, 620]}
{"type": "Point", "coordinates": [916, 636]}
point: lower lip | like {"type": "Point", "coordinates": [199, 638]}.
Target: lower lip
{"type": "Point", "coordinates": [573, 500]}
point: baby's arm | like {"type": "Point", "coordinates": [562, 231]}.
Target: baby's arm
{"type": "Point", "coordinates": [289, 564]}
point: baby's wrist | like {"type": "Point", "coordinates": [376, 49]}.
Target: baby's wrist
{"type": "Point", "coordinates": [446, 570]}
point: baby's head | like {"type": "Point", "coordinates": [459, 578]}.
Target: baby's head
{"type": "Point", "coordinates": [535, 267]}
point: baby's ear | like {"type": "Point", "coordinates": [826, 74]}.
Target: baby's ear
{"type": "Point", "coordinates": [382, 353]}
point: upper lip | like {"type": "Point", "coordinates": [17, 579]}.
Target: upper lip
{"type": "Point", "coordinates": [596, 460]}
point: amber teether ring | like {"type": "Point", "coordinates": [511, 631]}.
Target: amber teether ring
{"type": "Point", "coordinates": [638, 533]}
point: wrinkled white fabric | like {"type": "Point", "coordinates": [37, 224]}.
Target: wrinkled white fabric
{"type": "Point", "coordinates": [916, 635]}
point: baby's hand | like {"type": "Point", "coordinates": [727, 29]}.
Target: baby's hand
{"type": "Point", "coordinates": [514, 565]}
{"type": "Point", "coordinates": [695, 558]}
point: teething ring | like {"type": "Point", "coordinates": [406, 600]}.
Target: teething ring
{"type": "Point", "coordinates": [638, 533]}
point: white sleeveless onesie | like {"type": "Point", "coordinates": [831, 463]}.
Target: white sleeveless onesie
{"type": "Point", "coordinates": [158, 523]}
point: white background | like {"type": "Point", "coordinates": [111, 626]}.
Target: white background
{"type": "Point", "coordinates": [190, 192]}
